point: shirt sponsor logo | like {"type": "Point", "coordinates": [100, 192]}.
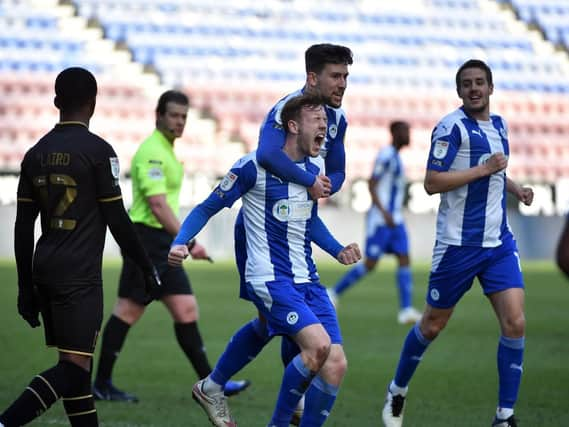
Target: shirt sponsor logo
{"type": "Point", "coordinates": [292, 318]}
{"type": "Point", "coordinates": [115, 168]}
{"type": "Point", "coordinates": [228, 181]}
{"type": "Point", "coordinates": [285, 210]}
{"type": "Point", "coordinates": [440, 149]}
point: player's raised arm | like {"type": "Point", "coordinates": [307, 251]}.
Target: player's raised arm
{"type": "Point", "coordinates": [235, 183]}
{"type": "Point", "coordinates": [270, 153]}
{"type": "Point", "coordinates": [336, 163]}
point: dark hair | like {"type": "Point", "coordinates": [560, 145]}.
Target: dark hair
{"type": "Point", "coordinates": [293, 107]}
{"type": "Point", "coordinates": [74, 87]}
{"type": "Point", "coordinates": [396, 124]}
{"type": "Point", "coordinates": [474, 63]}
{"type": "Point", "coordinates": [318, 55]}
{"type": "Point", "coordinates": [174, 96]}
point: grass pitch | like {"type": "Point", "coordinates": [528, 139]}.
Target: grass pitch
{"type": "Point", "coordinates": [456, 384]}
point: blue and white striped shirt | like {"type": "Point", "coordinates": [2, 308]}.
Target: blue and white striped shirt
{"type": "Point", "coordinates": [277, 217]}
{"type": "Point", "coordinates": [474, 214]}
{"type": "Point", "coordinates": [390, 188]}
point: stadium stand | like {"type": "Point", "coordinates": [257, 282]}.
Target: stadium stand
{"type": "Point", "coordinates": [37, 40]}
{"type": "Point", "coordinates": [236, 58]}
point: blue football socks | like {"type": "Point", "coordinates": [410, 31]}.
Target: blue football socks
{"type": "Point", "coordinates": [320, 398]}
{"type": "Point", "coordinates": [411, 354]}
{"type": "Point", "coordinates": [510, 368]}
{"type": "Point", "coordinates": [405, 286]}
{"type": "Point", "coordinates": [351, 277]}
{"type": "Point", "coordinates": [296, 379]}
{"type": "Point", "coordinates": [243, 347]}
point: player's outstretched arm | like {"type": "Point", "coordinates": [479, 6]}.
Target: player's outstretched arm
{"type": "Point", "coordinates": [523, 194]}
{"type": "Point", "coordinates": [350, 254]}
{"type": "Point", "coordinates": [184, 243]}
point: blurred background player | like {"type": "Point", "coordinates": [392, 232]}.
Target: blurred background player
{"type": "Point", "coordinates": [156, 181]}
{"type": "Point", "coordinates": [562, 252]}
{"type": "Point", "coordinates": [467, 166]}
{"type": "Point", "coordinates": [280, 274]}
{"type": "Point", "coordinates": [385, 227]}
{"type": "Point", "coordinates": [71, 177]}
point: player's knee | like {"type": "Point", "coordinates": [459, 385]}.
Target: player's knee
{"type": "Point", "coordinates": [316, 355]}
{"type": "Point", "coordinates": [370, 264]}
{"type": "Point", "coordinates": [183, 308]}
{"type": "Point", "coordinates": [79, 360]}
{"type": "Point", "coordinates": [187, 313]}
{"type": "Point", "coordinates": [431, 327]}
{"type": "Point", "coordinates": [514, 326]}
{"type": "Point", "coordinates": [339, 366]}
{"type": "Point", "coordinates": [128, 311]}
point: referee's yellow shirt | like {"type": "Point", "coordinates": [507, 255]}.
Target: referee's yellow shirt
{"type": "Point", "coordinates": [154, 170]}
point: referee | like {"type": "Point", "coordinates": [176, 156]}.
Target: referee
{"type": "Point", "coordinates": [156, 181]}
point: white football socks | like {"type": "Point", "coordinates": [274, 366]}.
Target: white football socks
{"type": "Point", "coordinates": [211, 387]}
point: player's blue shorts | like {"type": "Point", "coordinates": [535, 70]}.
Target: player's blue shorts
{"type": "Point", "coordinates": [455, 267]}
{"type": "Point", "coordinates": [384, 239]}
{"type": "Point", "coordinates": [289, 307]}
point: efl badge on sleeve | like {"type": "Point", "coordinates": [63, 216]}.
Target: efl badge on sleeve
{"type": "Point", "coordinates": [115, 168]}
{"type": "Point", "coordinates": [228, 181]}
{"type": "Point", "coordinates": [440, 149]}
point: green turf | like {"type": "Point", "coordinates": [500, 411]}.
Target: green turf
{"type": "Point", "coordinates": [455, 384]}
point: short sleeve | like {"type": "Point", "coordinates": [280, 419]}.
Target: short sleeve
{"type": "Point", "coordinates": [445, 143]}
{"type": "Point", "coordinates": [25, 186]}
{"type": "Point", "coordinates": [107, 172]}
{"type": "Point", "coordinates": [151, 174]}
{"type": "Point", "coordinates": [238, 181]}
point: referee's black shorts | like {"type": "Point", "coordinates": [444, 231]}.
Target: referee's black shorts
{"type": "Point", "coordinates": [72, 316]}
{"type": "Point", "coordinates": [157, 243]}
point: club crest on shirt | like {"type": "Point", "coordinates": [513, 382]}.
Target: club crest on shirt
{"type": "Point", "coordinates": [281, 210]}
{"type": "Point", "coordinates": [333, 130]}
{"type": "Point", "coordinates": [115, 168]}
{"type": "Point", "coordinates": [228, 181]}
{"type": "Point", "coordinates": [292, 318]}
{"type": "Point", "coordinates": [440, 149]}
